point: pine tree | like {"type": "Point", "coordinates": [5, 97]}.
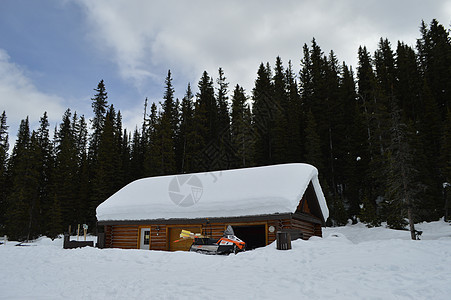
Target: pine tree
{"type": "Point", "coordinates": [313, 154]}
{"type": "Point", "coordinates": [99, 105]}
{"type": "Point", "coordinates": [187, 135]}
{"type": "Point", "coordinates": [169, 106]}
{"type": "Point", "coordinates": [23, 186]}
{"type": "Point", "coordinates": [403, 187]}
{"type": "Point", "coordinates": [305, 76]}
{"type": "Point", "coordinates": [368, 214]}
{"type": "Point", "coordinates": [45, 162]}
{"type": "Point", "coordinates": [429, 130]}
{"type": "Point", "coordinates": [139, 167]}
{"type": "Point", "coordinates": [295, 135]}
{"type": "Point", "coordinates": [162, 134]}
{"type": "Point", "coordinates": [408, 84]}
{"type": "Point", "coordinates": [83, 184]}
{"type": "Point", "coordinates": [224, 143]}
{"type": "Point", "coordinates": [4, 147]}
{"type": "Point", "coordinates": [385, 67]}
{"type": "Point", "coordinates": [165, 144]}
{"type": "Point", "coordinates": [434, 50]}
{"type": "Point", "coordinates": [281, 104]}
{"type": "Point", "coordinates": [263, 110]}
{"type": "Point", "coordinates": [372, 111]}
{"type": "Point", "coordinates": [331, 124]}
{"type": "Point", "coordinates": [352, 150]}
{"type": "Point", "coordinates": [206, 113]}
{"type": "Point", "coordinates": [241, 129]}
{"type": "Point", "coordinates": [64, 190]}
{"type": "Point", "coordinates": [105, 181]}
{"type": "Point", "coordinates": [446, 163]}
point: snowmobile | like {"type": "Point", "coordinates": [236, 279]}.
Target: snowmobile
{"type": "Point", "coordinates": [228, 243]}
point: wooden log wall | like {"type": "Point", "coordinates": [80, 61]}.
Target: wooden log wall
{"type": "Point", "coordinates": [158, 237]}
{"type": "Point", "coordinates": [127, 236]}
{"type": "Point", "coordinates": [307, 228]}
{"type": "Point", "coordinates": [318, 230]}
{"type": "Point", "coordinates": [215, 230]}
{"type": "Point", "coordinates": [108, 240]}
{"type": "Point", "coordinates": [124, 236]}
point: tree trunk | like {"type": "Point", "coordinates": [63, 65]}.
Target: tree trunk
{"type": "Point", "coordinates": [411, 224]}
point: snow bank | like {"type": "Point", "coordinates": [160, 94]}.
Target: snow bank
{"type": "Point", "coordinates": [231, 193]}
{"type": "Point", "coordinates": [383, 265]}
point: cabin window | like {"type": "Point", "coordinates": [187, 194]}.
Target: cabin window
{"type": "Point", "coordinates": [146, 237]}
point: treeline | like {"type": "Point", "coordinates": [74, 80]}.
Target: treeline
{"type": "Point", "coordinates": [381, 138]}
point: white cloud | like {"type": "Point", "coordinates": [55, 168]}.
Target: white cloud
{"type": "Point", "coordinates": [145, 38]}
{"type": "Point", "coordinates": [20, 98]}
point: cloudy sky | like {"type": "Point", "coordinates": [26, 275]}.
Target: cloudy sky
{"type": "Point", "coordinates": [53, 53]}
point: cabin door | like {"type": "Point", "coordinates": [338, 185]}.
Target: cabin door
{"type": "Point", "coordinates": [144, 240]}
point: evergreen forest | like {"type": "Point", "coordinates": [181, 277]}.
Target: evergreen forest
{"type": "Point", "coordinates": [380, 136]}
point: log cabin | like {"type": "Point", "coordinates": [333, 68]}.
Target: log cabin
{"type": "Point", "coordinates": [257, 202]}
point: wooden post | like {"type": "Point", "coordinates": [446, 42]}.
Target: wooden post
{"type": "Point", "coordinates": [283, 240]}
{"type": "Point", "coordinates": [78, 231]}
{"type": "Point", "coordinates": [66, 240]}
{"type": "Point", "coordinates": [100, 240]}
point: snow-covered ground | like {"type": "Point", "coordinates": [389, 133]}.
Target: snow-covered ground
{"type": "Point", "coordinates": [351, 262]}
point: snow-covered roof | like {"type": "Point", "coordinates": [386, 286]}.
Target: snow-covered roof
{"type": "Point", "coordinates": [231, 193]}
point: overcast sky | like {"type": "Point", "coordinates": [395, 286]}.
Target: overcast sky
{"type": "Point", "coordinates": [53, 53]}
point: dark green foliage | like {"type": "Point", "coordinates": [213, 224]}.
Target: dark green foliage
{"type": "Point", "coordinates": [23, 200]}
{"type": "Point", "coordinates": [4, 146]}
{"type": "Point", "coordinates": [368, 214]}
{"type": "Point", "coordinates": [225, 151]}
{"type": "Point", "coordinates": [206, 120]}
{"type": "Point", "coordinates": [105, 181]}
{"type": "Point", "coordinates": [66, 165]}
{"type": "Point", "coordinates": [264, 110]}
{"type": "Point", "coordinates": [241, 129]}
{"type": "Point", "coordinates": [313, 153]}
{"type": "Point", "coordinates": [381, 141]}
{"type": "Point", "coordinates": [446, 165]}
{"type": "Point", "coordinates": [403, 186]}
{"type": "Point", "coordinates": [434, 50]}
{"type": "Point", "coordinates": [99, 105]}
{"type": "Point", "coordinates": [187, 137]}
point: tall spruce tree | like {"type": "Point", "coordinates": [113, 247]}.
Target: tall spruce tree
{"type": "Point", "coordinates": [429, 133]}
{"type": "Point", "coordinates": [138, 166]}
{"type": "Point", "coordinates": [187, 135]}
{"type": "Point", "coordinates": [105, 175]}
{"type": "Point", "coordinates": [45, 160]}
{"type": "Point", "coordinates": [224, 135]}
{"type": "Point", "coordinates": [372, 110]}
{"type": "Point", "coordinates": [21, 192]}
{"type": "Point", "coordinates": [4, 147]}
{"type": "Point", "coordinates": [434, 50]}
{"type": "Point", "coordinates": [446, 163]}
{"type": "Point", "coordinates": [402, 181]}
{"type": "Point", "coordinates": [263, 110]}
{"type": "Point", "coordinates": [64, 189]}
{"type": "Point", "coordinates": [206, 113]}
{"type": "Point", "coordinates": [295, 135]}
{"type": "Point", "coordinates": [241, 129]}
{"type": "Point", "coordinates": [352, 148]}
{"type": "Point", "coordinates": [99, 105]}
{"type": "Point", "coordinates": [408, 82]}
{"type": "Point", "coordinates": [165, 133]}
{"type": "Point", "coordinates": [281, 104]}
